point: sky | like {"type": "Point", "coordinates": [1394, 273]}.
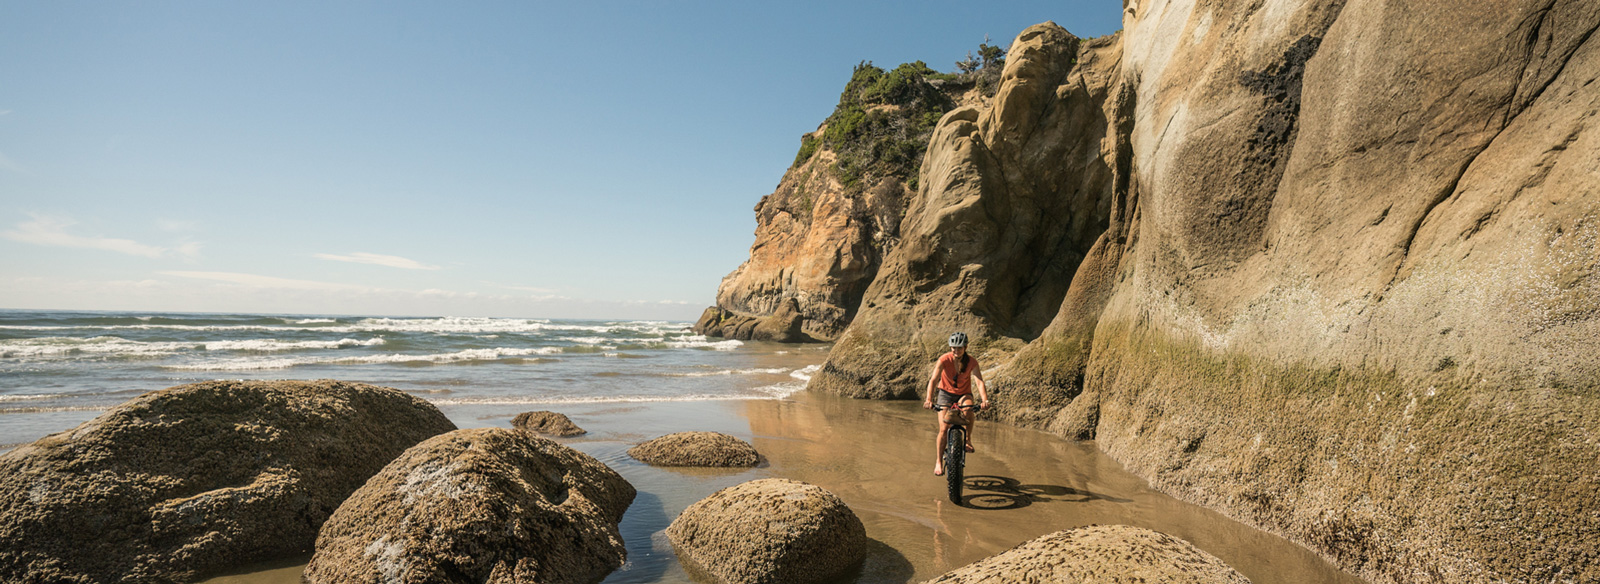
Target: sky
{"type": "Point", "coordinates": [506, 159]}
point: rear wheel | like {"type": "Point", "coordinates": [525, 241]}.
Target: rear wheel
{"type": "Point", "coordinates": [955, 453]}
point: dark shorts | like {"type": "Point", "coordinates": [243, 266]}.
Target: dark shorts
{"type": "Point", "coordinates": [946, 399]}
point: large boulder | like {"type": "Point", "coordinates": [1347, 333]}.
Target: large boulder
{"type": "Point", "coordinates": [183, 482]}
{"type": "Point", "coordinates": [547, 423]}
{"type": "Point", "coordinates": [786, 325]}
{"type": "Point", "coordinates": [1099, 554]}
{"type": "Point", "coordinates": [486, 505]}
{"type": "Point", "coordinates": [697, 449]}
{"type": "Point", "coordinates": [769, 531]}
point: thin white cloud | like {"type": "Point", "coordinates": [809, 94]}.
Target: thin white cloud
{"type": "Point", "coordinates": [258, 281]}
{"type": "Point", "coordinates": [376, 260]}
{"type": "Point", "coordinates": [176, 225]}
{"type": "Point", "coordinates": [670, 302]}
{"type": "Point", "coordinates": [7, 163]}
{"type": "Point", "coordinates": [52, 231]}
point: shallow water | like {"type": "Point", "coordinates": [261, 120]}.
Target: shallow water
{"type": "Point", "coordinates": [877, 456]}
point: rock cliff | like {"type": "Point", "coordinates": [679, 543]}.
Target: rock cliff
{"type": "Point", "coordinates": [1328, 266]}
{"type": "Point", "coordinates": [822, 234]}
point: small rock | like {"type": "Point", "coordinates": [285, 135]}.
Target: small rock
{"type": "Point", "coordinates": [769, 531]}
{"type": "Point", "coordinates": [547, 423]}
{"type": "Point", "coordinates": [1099, 554]}
{"type": "Point", "coordinates": [697, 449]}
{"type": "Point", "coordinates": [480, 505]}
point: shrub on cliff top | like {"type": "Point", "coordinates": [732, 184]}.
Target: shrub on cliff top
{"type": "Point", "coordinates": [882, 123]}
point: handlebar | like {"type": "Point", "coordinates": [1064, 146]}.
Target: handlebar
{"type": "Point", "coordinates": [938, 408]}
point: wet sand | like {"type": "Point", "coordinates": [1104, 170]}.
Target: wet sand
{"type": "Point", "coordinates": [878, 457]}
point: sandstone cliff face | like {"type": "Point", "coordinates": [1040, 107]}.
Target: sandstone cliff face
{"type": "Point", "coordinates": [1013, 195]}
{"type": "Point", "coordinates": [818, 244]}
{"type": "Point", "coordinates": [1327, 266]}
{"type": "Point", "coordinates": [823, 233]}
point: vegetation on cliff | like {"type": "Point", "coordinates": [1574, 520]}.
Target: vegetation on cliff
{"type": "Point", "coordinates": [880, 128]}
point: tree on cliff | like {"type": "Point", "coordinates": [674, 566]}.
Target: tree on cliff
{"type": "Point", "coordinates": [987, 67]}
{"type": "Point", "coordinates": [882, 123]}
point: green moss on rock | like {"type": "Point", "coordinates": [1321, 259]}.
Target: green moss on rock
{"type": "Point", "coordinates": [1442, 477]}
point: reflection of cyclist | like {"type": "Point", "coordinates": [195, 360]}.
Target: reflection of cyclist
{"type": "Point", "coordinates": [954, 376]}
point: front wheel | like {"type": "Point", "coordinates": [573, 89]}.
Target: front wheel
{"type": "Point", "coordinates": [955, 453]}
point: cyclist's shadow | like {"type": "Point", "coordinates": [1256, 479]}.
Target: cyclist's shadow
{"type": "Point", "coordinates": [997, 492]}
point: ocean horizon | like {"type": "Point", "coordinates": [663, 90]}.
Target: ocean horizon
{"type": "Point", "coordinates": [59, 368]}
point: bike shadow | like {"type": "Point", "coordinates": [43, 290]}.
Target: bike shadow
{"type": "Point", "coordinates": [997, 492]}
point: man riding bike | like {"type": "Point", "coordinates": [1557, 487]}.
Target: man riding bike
{"type": "Point", "coordinates": [954, 376]}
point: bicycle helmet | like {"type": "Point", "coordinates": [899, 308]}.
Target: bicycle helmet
{"type": "Point", "coordinates": [958, 340]}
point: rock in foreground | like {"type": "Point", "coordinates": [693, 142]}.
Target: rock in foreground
{"type": "Point", "coordinates": [182, 482]}
{"type": "Point", "coordinates": [1099, 554]}
{"type": "Point", "coordinates": [482, 505]}
{"type": "Point", "coordinates": [697, 449]}
{"type": "Point", "coordinates": [547, 423]}
{"type": "Point", "coordinates": [769, 531]}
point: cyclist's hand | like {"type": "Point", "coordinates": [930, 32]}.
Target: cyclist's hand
{"type": "Point", "coordinates": [927, 404]}
{"type": "Point", "coordinates": [984, 405]}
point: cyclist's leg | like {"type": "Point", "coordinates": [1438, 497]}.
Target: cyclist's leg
{"type": "Point", "coordinates": [938, 445]}
{"type": "Point", "coordinates": [970, 418]}
{"type": "Point", "coordinates": [944, 417]}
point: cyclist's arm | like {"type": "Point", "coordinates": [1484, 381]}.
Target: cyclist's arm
{"type": "Point", "coordinates": [927, 395]}
{"type": "Point", "coordinates": [980, 385]}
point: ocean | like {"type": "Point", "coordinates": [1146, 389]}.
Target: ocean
{"type": "Point", "coordinates": [60, 368]}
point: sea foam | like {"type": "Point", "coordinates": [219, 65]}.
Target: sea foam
{"type": "Point", "coordinates": [69, 347]}
{"type": "Point", "coordinates": [466, 356]}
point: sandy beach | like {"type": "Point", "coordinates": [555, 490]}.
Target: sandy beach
{"type": "Point", "coordinates": [877, 456]}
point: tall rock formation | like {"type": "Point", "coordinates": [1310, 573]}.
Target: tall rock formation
{"type": "Point", "coordinates": [821, 236]}
{"type": "Point", "coordinates": [1327, 266]}
{"type": "Point", "coordinates": [1013, 195]}
{"type": "Point", "coordinates": [1357, 304]}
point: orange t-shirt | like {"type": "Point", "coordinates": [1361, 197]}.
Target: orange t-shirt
{"type": "Point", "coordinates": [953, 379]}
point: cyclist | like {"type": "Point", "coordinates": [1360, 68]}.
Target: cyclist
{"type": "Point", "coordinates": [954, 377]}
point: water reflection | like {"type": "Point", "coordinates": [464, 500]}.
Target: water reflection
{"type": "Point", "coordinates": [1023, 484]}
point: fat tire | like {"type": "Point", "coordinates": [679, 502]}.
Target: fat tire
{"type": "Point", "coordinates": [955, 453]}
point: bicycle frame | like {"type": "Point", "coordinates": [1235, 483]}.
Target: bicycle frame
{"type": "Point", "coordinates": [955, 450]}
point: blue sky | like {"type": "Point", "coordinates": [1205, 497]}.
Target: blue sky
{"type": "Point", "coordinates": [528, 159]}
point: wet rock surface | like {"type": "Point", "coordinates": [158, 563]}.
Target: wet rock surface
{"type": "Point", "coordinates": [547, 423]}
{"type": "Point", "coordinates": [1099, 554]}
{"type": "Point", "coordinates": [481, 505]}
{"type": "Point", "coordinates": [183, 482]}
{"type": "Point", "coordinates": [769, 531]}
{"type": "Point", "coordinates": [697, 449]}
